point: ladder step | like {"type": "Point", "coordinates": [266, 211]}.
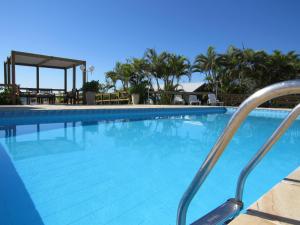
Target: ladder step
{"type": "Point", "coordinates": [221, 214]}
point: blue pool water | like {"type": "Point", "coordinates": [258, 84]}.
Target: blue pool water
{"type": "Point", "coordinates": [90, 171]}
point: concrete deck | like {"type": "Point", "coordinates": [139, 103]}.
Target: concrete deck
{"type": "Point", "coordinates": [281, 205]}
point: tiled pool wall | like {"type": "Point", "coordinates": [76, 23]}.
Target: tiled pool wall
{"type": "Point", "coordinates": [262, 112]}
{"type": "Point", "coordinates": [24, 116]}
{"type": "Point", "coordinates": [27, 116]}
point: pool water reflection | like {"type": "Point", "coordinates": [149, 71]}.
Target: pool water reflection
{"type": "Point", "coordinates": [134, 172]}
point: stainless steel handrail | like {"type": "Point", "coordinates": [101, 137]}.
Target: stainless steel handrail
{"type": "Point", "coordinates": [259, 97]}
{"type": "Point", "coordinates": [285, 124]}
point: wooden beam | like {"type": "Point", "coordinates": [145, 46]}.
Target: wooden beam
{"type": "Point", "coordinates": [50, 67]}
{"type": "Point", "coordinates": [34, 65]}
{"type": "Point", "coordinates": [13, 78]}
{"type": "Point", "coordinates": [41, 89]}
{"type": "Point", "coordinates": [84, 74]}
{"type": "Point", "coordinates": [44, 61]}
{"type": "Point", "coordinates": [74, 77]}
{"type": "Point", "coordinates": [38, 79]}
{"type": "Point", "coordinates": [83, 82]}
{"type": "Point", "coordinates": [5, 73]}
{"type": "Point", "coordinates": [76, 64]}
{"type": "Point", "coordinates": [8, 72]}
{"type": "Point", "coordinates": [47, 57]}
{"type": "Point", "coordinates": [66, 80]}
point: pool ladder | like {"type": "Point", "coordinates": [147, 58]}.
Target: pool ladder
{"type": "Point", "coordinates": [232, 207]}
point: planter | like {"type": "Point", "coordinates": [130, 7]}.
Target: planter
{"type": "Point", "coordinates": [90, 97]}
{"type": "Point", "coordinates": [135, 98]}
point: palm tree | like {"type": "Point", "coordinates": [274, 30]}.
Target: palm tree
{"type": "Point", "coordinates": [139, 71]}
{"type": "Point", "coordinates": [179, 66]}
{"type": "Point", "coordinates": [167, 68]}
{"type": "Point", "coordinates": [208, 64]}
{"type": "Point", "coordinates": [124, 72]}
{"type": "Point", "coordinates": [294, 63]}
{"type": "Point", "coordinates": [111, 80]}
{"type": "Point", "coordinates": [156, 64]}
{"type": "Point", "coordinates": [282, 67]}
{"type": "Point", "coordinates": [235, 71]}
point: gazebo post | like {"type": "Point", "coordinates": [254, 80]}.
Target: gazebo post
{"type": "Point", "coordinates": [5, 73]}
{"type": "Point", "coordinates": [83, 82]}
{"type": "Point", "coordinates": [74, 77]}
{"type": "Point", "coordinates": [84, 74]}
{"type": "Point", "coordinates": [37, 79]}
{"type": "Point", "coordinates": [8, 71]}
{"type": "Point", "coordinates": [66, 80]}
{"type": "Point", "coordinates": [13, 78]}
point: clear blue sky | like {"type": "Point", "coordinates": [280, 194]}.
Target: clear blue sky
{"type": "Point", "coordinates": [103, 32]}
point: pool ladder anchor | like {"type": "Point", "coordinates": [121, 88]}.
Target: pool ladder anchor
{"type": "Point", "coordinates": [232, 207]}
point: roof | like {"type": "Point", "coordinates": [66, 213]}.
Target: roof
{"type": "Point", "coordinates": [30, 59]}
{"type": "Point", "coordinates": [187, 87]}
{"type": "Point", "coordinates": [191, 86]}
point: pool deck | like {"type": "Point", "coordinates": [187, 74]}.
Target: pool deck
{"type": "Point", "coordinates": [280, 205]}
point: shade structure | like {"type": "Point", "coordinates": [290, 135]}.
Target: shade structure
{"type": "Point", "coordinates": [31, 59]}
{"type": "Point", "coordinates": [38, 60]}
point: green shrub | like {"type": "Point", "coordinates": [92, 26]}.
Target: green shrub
{"type": "Point", "coordinates": [140, 89]}
{"type": "Point", "coordinates": [93, 85]}
{"type": "Point", "coordinates": [5, 96]}
{"type": "Point", "coordinates": [137, 89]}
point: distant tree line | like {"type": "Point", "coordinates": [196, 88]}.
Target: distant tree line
{"type": "Point", "coordinates": [235, 71]}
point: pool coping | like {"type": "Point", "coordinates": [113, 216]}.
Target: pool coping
{"type": "Point", "coordinates": [279, 113]}
{"type": "Point", "coordinates": [280, 205]}
{"type": "Point", "coordinates": [9, 113]}
{"type": "Point", "coordinates": [10, 116]}
{"type": "Point", "coordinates": [91, 107]}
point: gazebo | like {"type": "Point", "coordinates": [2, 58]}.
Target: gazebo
{"type": "Point", "coordinates": [39, 61]}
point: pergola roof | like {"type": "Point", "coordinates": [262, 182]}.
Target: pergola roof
{"type": "Point", "coordinates": [37, 60]}
{"type": "Point", "coordinates": [30, 59]}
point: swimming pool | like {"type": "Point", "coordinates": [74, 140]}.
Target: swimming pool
{"type": "Point", "coordinates": [130, 167]}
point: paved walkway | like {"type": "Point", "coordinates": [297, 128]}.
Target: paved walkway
{"type": "Point", "coordinates": [281, 205]}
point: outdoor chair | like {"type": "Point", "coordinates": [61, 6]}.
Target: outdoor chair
{"type": "Point", "coordinates": [178, 100]}
{"type": "Point", "coordinates": [46, 96]}
{"type": "Point", "coordinates": [193, 100]}
{"type": "Point", "coordinates": [24, 97]}
{"type": "Point", "coordinates": [31, 96]}
{"type": "Point", "coordinates": [212, 100]}
{"type": "Point", "coordinates": [150, 101]}
{"type": "Point", "coordinates": [71, 97]}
